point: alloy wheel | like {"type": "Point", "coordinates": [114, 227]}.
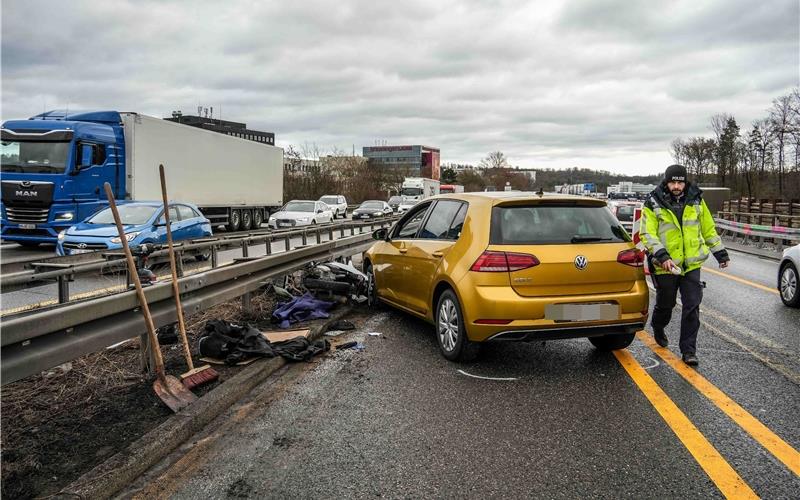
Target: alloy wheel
{"type": "Point", "coordinates": [448, 325]}
{"type": "Point", "coordinates": [788, 284]}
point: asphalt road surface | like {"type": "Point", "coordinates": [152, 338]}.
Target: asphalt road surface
{"type": "Point", "coordinates": [538, 420]}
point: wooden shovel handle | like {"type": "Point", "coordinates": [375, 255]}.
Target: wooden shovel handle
{"type": "Point", "coordinates": [148, 319]}
{"type": "Point", "coordinates": [187, 353]}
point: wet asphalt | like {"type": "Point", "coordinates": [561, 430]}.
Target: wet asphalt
{"type": "Point", "coordinates": [397, 420]}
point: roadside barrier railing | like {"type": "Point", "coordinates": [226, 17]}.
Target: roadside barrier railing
{"type": "Point", "coordinates": [64, 270]}
{"type": "Point", "coordinates": [777, 234]}
{"type": "Point", "coordinates": [35, 341]}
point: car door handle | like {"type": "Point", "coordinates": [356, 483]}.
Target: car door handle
{"type": "Point", "coordinates": [437, 254]}
{"type": "Point", "coordinates": [402, 250]}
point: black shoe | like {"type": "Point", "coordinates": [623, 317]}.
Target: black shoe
{"type": "Point", "coordinates": [690, 359]}
{"type": "Point", "coordinates": [661, 337]}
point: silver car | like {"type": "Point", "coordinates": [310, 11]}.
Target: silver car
{"type": "Point", "coordinates": [788, 276]}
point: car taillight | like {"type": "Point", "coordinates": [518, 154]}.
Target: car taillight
{"type": "Point", "coordinates": [499, 262]}
{"type": "Point", "coordinates": [632, 257]}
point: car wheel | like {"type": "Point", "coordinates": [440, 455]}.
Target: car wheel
{"type": "Point", "coordinates": [372, 289]}
{"type": "Point", "coordinates": [247, 220]}
{"type": "Point", "coordinates": [612, 342]}
{"type": "Point", "coordinates": [234, 220]}
{"type": "Point", "coordinates": [788, 285]}
{"type": "Point", "coordinates": [258, 218]}
{"type": "Point", "coordinates": [450, 331]}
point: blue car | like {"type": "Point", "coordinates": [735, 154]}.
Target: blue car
{"type": "Point", "coordinates": [143, 222]}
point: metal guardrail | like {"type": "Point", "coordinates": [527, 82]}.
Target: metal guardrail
{"type": "Point", "coordinates": [778, 234]}
{"type": "Point", "coordinates": [32, 342]}
{"type": "Point", "coordinates": [64, 269]}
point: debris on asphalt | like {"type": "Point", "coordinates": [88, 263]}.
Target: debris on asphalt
{"type": "Point", "coordinates": [334, 279]}
{"type": "Point", "coordinates": [374, 334]}
{"type": "Point", "coordinates": [358, 346]}
{"type": "Point", "coordinates": [333, 333]}
{"type": "Point", "coordinates": [236, 343]}
{"type": "Point", "coordinates": [343, 324]}
{"type": "Point", "coordinates": [282, 335]}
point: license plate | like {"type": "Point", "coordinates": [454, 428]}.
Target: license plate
{"type": "Point", "coordinates": [581, 312]}
{"type": "Point", "coordinates": [283, 224]}
{"type": "Point", "coordinates": [76, 251]}
{"type": "Point", "coordinates": [27, 226]}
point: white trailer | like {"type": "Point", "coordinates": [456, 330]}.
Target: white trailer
{"type": "Point", "coordinates": [419, 188]}
{"type": "Point", "coordinates": [235, 182]}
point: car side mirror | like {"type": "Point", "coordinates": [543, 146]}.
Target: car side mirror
{"type": "Point", "coordinates": [319, 211]}
{"type": "Point", "coordinates": [381, 234]}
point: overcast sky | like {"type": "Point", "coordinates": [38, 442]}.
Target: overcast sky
{"type": "Point", "coordinates": [598, 84]}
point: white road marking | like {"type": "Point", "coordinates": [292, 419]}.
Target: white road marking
{"type": "Point", "coordinates": [462, 372]}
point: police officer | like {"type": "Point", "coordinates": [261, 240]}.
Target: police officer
{"type": "Point", "coordinates": [678, 231]}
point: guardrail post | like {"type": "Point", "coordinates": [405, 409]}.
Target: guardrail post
{"type": "Point", "coordinates": [352, 230]}
{"type": "Point", "coordinates": [341, 232]}
{"type": "Point", "coordinates": [244, 248]}
{"type": "Point", "coordinates": [63, 288]}
{"type": "Point", "coordinates": [247, 306]}
{"type": "Point", "coordinates": [214, 257]}
{"type": "Point", "coordinates": [268, 245]}
{"type": "Point", "coordinates": [179, 264]}
{"type": "Point", "coordinates": [319, 236]}
{"type": "Point", "coordinates": [288, 243]}
{"type": "Point", "coordinates": [305, 238]}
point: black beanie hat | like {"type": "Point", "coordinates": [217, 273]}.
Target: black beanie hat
{"type": "Point", "coordinates": [675, 173]}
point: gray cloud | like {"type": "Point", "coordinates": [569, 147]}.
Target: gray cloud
{"type": "Point", "coordinates": [604, 84]}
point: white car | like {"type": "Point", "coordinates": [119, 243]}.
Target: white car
{"type": "Point", "coordinates": [788, 276]}
{"type": "Point", "coordinates": [301, 213]}
{"type": "Point", "coordinates": [405, 205]}
{"type": "Point", "coordinates": [338, 204]}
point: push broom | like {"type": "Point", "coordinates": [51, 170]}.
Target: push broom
{"type": "Point", "coordinates": [202, 374]}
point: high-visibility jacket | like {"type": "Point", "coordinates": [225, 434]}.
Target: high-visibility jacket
{"type": "Point", "coordinates": [687, 242]}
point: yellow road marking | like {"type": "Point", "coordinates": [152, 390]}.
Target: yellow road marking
{"type": "Point", "coordinates": [768, 439]}
{"type": "Point", "coordinates": [719, 471]}
{"type": "Point", "coordinates": [742, 280]}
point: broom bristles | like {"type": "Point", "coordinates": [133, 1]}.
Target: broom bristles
{"type": "Point", "coordinates": [199, 376]}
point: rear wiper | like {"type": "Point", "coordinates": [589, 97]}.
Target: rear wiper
{"type": "Point", "coordinates": [587, 239]}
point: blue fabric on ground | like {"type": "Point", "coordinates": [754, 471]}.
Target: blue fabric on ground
{"type": "Point", "coordinates": [303, 308]}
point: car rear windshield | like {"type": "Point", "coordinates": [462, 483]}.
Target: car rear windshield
{"type": "Point", "coordinates": [394, 200]}
{"type": "Point", "coordinates": [554, 224]}
{"type": "Point", "coordinates": [625, 212]}
{"type": "Point", "coordinates": [372, 205]}
{"type": "Point", "coordinates": [330, 200]}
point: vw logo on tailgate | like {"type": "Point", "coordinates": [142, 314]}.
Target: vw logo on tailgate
{"type": "Point", "coordinates": [581, 262]}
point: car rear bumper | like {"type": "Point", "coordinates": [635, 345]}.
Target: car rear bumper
{"type": "Point", "coordinates": [526, 320]}
{"type": "Point", "coordinates": [568, 332]}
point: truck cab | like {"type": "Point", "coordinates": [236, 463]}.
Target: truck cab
{"type": "Point", "coordinates": [53, 165]}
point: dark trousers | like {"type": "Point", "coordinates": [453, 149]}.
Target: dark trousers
{"type": "Point", "coordinates": [667, 286]}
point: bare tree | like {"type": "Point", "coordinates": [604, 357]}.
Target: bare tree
{"type": "Point", "coordinates": [780, 117]}
{"type": "Point", "coordinates": [496, 159]}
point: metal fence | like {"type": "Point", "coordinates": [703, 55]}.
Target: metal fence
{"type": "Point", "coordinates": [35, 341]}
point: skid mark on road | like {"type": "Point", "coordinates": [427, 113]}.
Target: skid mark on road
{"type": "Point", "coordinates": [506, 379]}
{"type": "Point", "coordinates": [715, 466]}
{"type": "Point", "coordinates": [760, 432]}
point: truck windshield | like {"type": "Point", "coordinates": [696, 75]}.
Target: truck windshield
{"type": "Point", "coordinates": [34, 157]}
{"type": "Point", "coordinates": [299, 206]}
{"type": "Point", "coordinates": [128, 214]}
{"type": "Point", "coordinates": [411, 191]}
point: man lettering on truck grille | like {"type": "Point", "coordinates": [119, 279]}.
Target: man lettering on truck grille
{"type": "Point", "coordinates": [679, 232]}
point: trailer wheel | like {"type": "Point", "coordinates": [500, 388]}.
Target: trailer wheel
{"type": "Point", "coordinates": [247, 219]}
{"type": "Point", "coordinates": [234, 220]}
{"type": "Point", "coordinates": [258, 218]}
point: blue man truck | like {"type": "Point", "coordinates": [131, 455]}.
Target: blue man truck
{"type": "Point", "coordinates": [54, 166]}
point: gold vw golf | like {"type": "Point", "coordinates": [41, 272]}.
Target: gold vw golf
{"type": "Point", "coordinates": [511, 266]}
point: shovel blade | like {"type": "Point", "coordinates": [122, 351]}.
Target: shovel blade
{"type": "Point", "coordinates": [173, 394]}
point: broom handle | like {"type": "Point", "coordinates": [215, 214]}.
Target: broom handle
{"type": "Point", "coordinates": [175, 289]}
{"type": "Point", "coordinates": [151, 330]}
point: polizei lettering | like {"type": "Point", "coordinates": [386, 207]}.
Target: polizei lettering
{"type": "Point", "coordinates": [26, 193]}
